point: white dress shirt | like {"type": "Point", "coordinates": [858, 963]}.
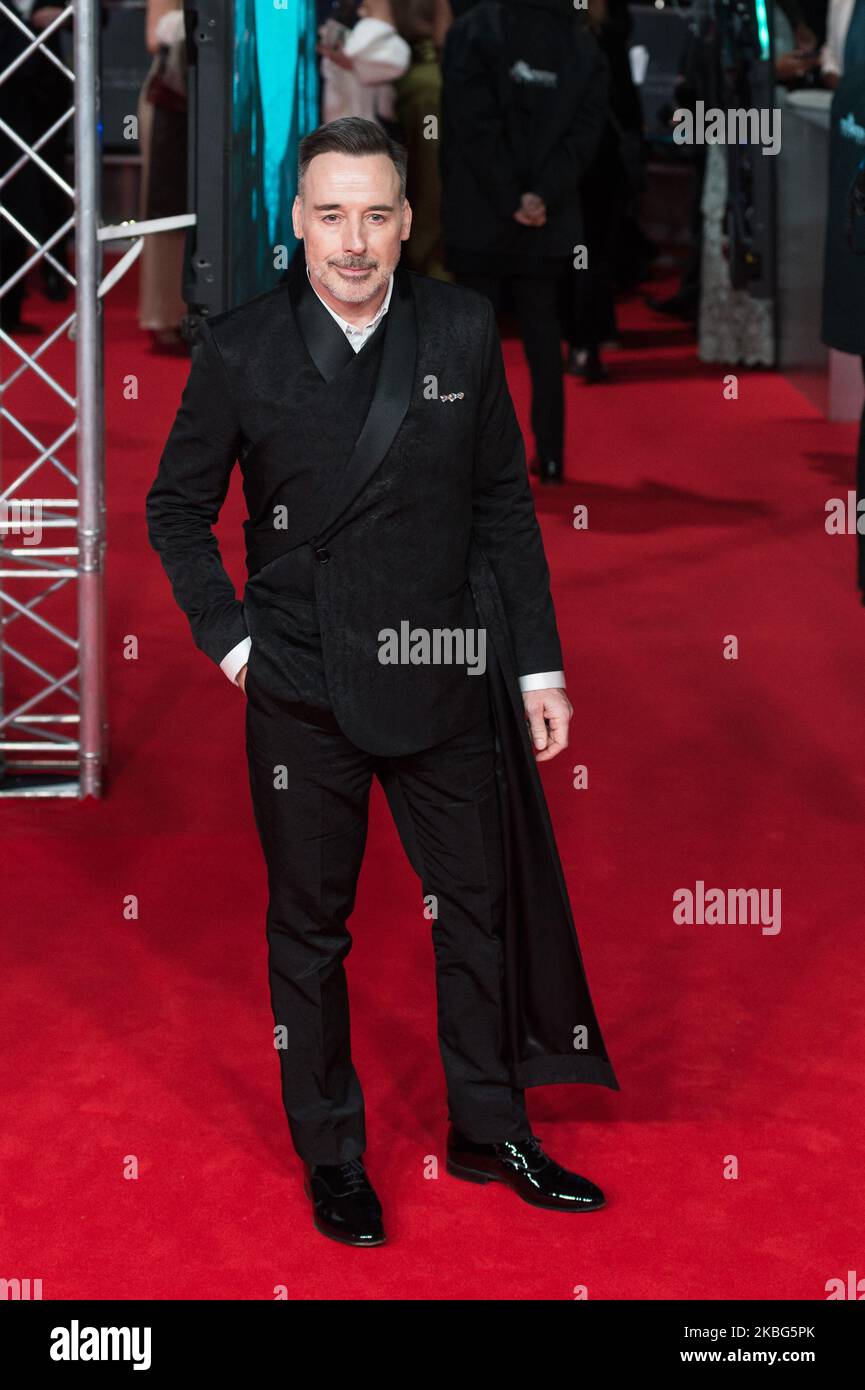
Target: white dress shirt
{"type": "Point", "coordinates": [358, 336]}
{"type": "Point", "coordinates": [237, 658]}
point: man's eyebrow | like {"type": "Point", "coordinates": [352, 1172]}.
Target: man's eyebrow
{"type": "Point", "coordinates": [336, 207]}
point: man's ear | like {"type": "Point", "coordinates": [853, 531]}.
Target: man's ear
{"type": "Point", "coordinates": [297, 218]}
{"type": "Point", "coordinates": [406, 220]}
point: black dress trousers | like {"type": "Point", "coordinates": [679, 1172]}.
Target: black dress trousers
{"type": "Point", "coordinates": [535, 300]}
{"type": "Point", "coordinates": [310, 793]}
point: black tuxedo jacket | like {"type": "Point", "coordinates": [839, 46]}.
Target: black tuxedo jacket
{"type": "Point", "coordinates": [367, 476]}
{"type": "Point", "coordinates": [383, 486]}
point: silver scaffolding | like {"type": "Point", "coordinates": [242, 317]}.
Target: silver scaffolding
{"type": "Point", "coordinates": [53, 737]}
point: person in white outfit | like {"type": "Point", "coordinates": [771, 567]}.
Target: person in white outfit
{"type": "Point", "coordinates": [832, 53]}
{"type": "Point", "coordinates": [357, 74]}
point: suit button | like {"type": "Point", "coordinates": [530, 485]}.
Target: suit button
{"type": "Point", "coordinates": [321, 553]}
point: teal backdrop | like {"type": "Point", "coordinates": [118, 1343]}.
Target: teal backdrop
{"type": "Point", "coordinates": [275, 102]}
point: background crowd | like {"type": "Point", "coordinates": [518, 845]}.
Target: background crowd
{"type": "Point", "coordinates": [525, 128]}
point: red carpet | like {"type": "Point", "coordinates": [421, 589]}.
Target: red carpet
{"type": "Point", "coordinates": [148, 1041]}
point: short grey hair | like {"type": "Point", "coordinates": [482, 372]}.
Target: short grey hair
{"type": "Point", "coordinates": [355, 136]}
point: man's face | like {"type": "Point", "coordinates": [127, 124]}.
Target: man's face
{"type": "Point", "coordinates": [352, 222]}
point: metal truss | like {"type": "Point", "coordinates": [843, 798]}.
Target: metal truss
{"type": "Point", "coordinates": [53, 736]}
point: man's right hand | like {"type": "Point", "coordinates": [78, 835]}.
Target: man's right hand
{"type": "Point", "coordinates": [532, 211]}
{"type": "Point", "coordinates": [240, 678]}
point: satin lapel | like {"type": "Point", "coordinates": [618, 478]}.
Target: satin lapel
{"type": "Point", "coordinates": [326, 344]}
{"type": "Point", "coordinates": [388, 407]}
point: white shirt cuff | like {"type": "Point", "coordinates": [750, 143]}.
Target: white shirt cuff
{"type": "Point", "coordinates": [236, 658]}
{"type": "Point", "coordinates": [543, 680]}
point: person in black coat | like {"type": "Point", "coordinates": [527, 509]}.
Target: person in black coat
{"type": "Point", "coordinates": [608, 192]}
{"type": "Point", "coordinates": [843, 319]}
{"type": "Point", "coordinates": [396, 622]}
{"type": "Point", "coordinates": [524, 107]}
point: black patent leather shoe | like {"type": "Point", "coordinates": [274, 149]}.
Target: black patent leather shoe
{"type": "Point", "coordinates": [525, 1167]}
{"type": "Point", "coordinates": [344, 1204]}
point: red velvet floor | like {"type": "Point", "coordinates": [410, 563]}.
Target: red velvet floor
{"type": "Point", "coordinates": [148, 1041]}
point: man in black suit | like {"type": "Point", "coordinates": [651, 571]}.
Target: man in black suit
{"type": "Point", "coordinates": [396, 622]}
{"type": "Point", "coordinates": [524, 102]}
